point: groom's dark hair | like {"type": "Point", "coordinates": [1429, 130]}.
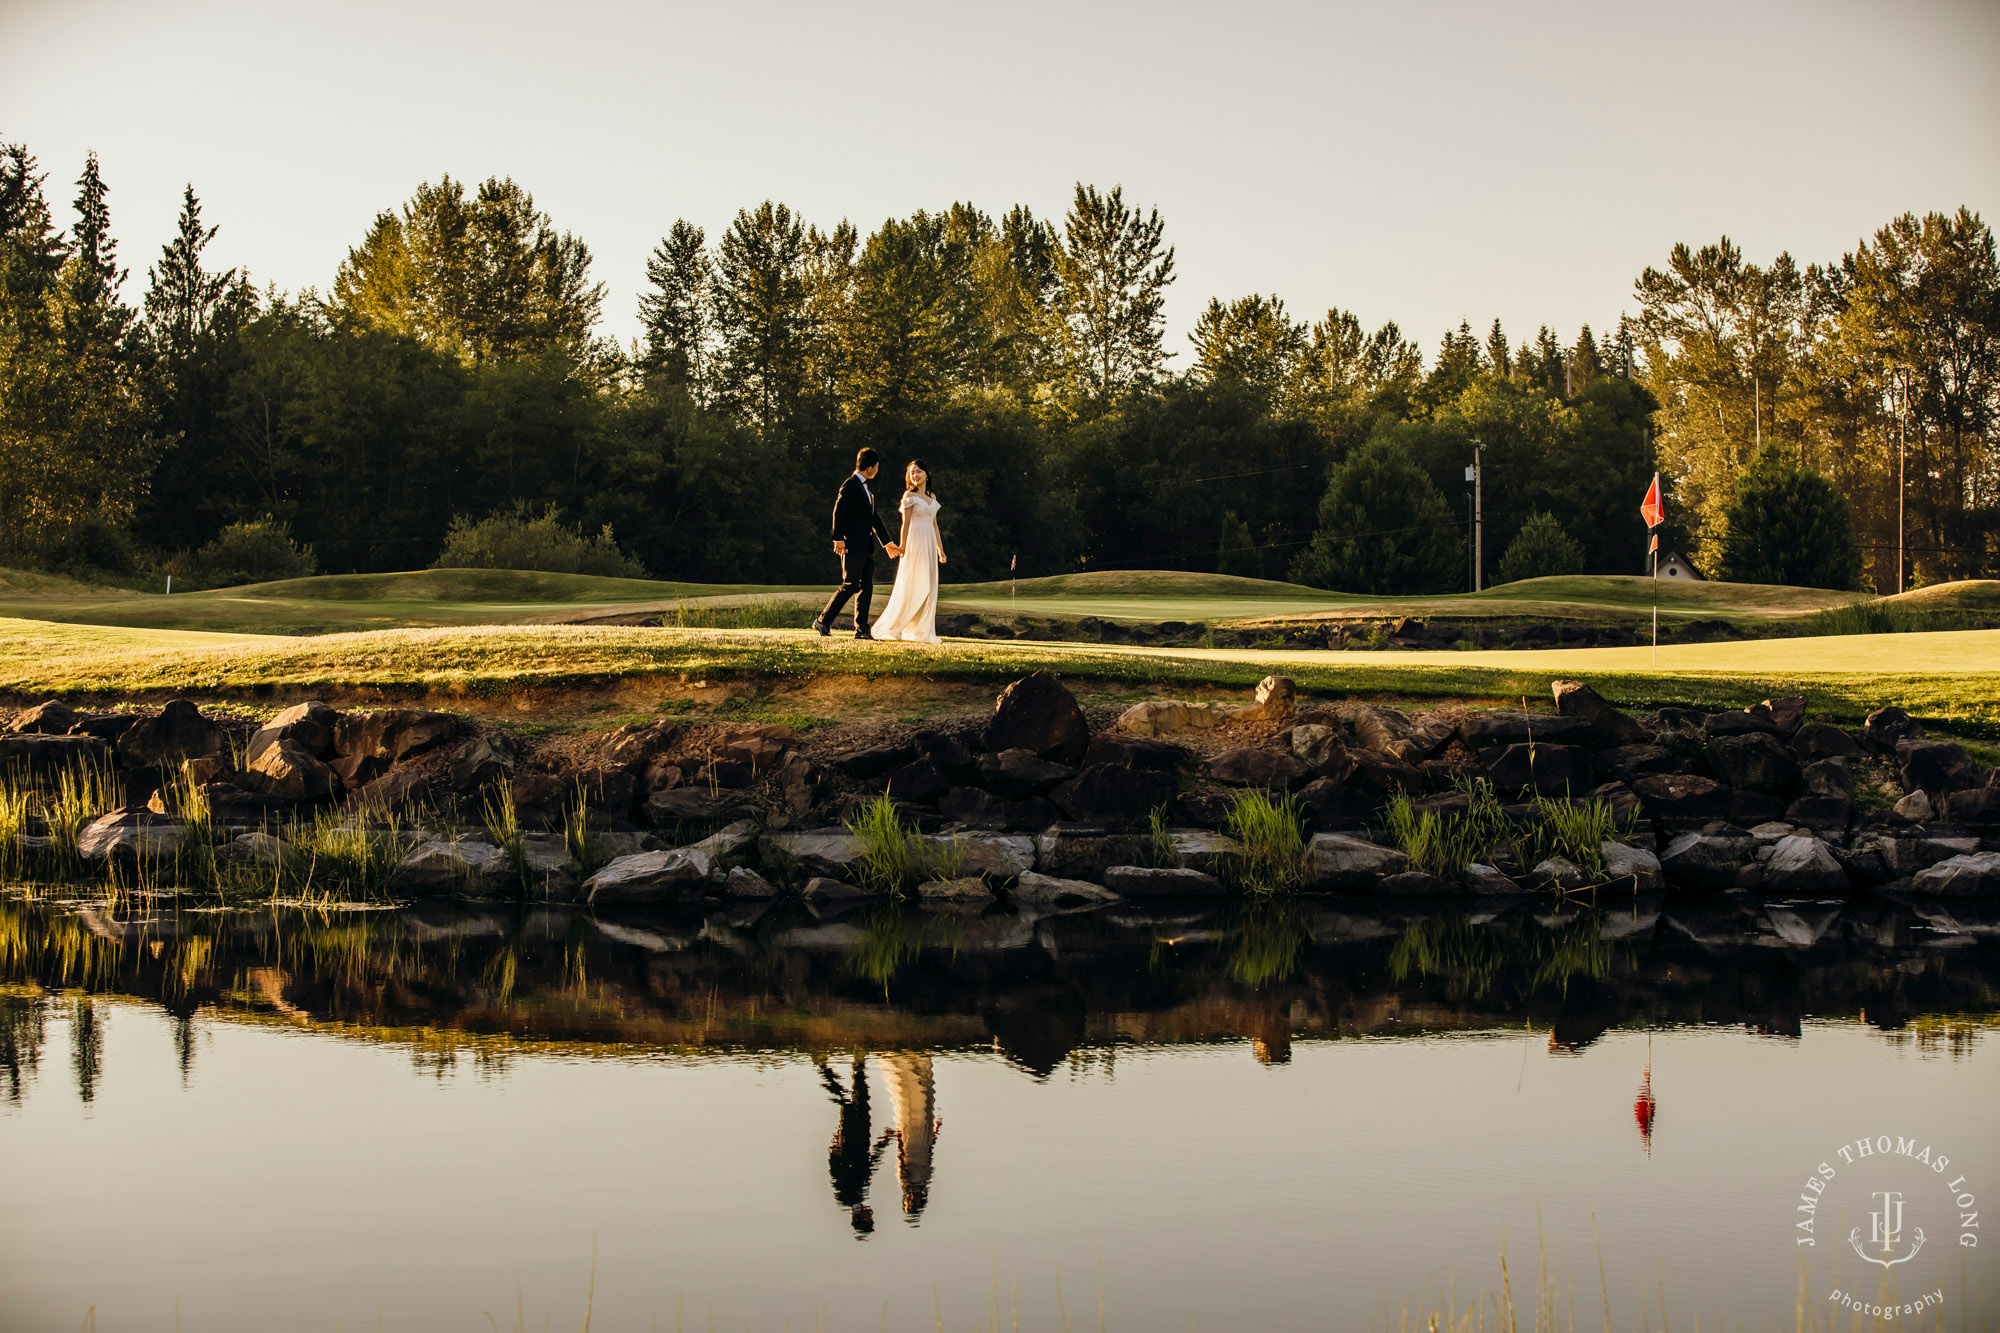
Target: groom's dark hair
{"type": "Point", "coordinates": [866, 459]}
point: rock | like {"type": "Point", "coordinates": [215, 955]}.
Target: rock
{"type": "Point", "coordinates": [286, 769]}
{"type": "Point", "coordinates": [1973, 875]}
{"type": "Point", "coordinates": [1203, 849]}
{"type": "Point", "coordinates": [1681, 719]}
{"type": "Point", "coordinates": [1887, 727]}
{"type": "Point", "coordinates": [976, 808]}
{"type": "Point", "coordinates": [1560, 875]}
{"type": "Point", "coordinates": [1935, 766]}
{"type": "Point", "coordinates": [51, 717]}
{"type": "Point", "coordinates": [1801, 866]}
{"type": "Point", "coordinates": [761, 747]}
{"type": "Point", "coordinates": [825, 889]}
{"type": "Point", "coordinates": [1495, 731]}
{"type": "Point", "coordinates": [694, 805]}
{"type": "Point", "coordinates": [547, 868]}
{"type": "Point", "coordinates": [178, 732]}
{"type": "Point", "coordinates": [43, 756]}
{"type": "Point", "coordinates": [1155, 882]}
{"type": "Point", "coordinates": [1817, 740]}
{"type": "Point", "coordinates": [1748, 722]}
{"type": "Point", "coordinates": [1370, 726]}
{"type": "Point", "coordinates": [1048, 890]}
{"type": "Point", "coordinates": [1115, 795]}
{"type": "Point", "coordinates": [1754, 761]}
{"type": "Point", "coordinates": [265, 849]}
{"type": "Point", "coordinates": [1753, 807]}
{"type": "Point", "coordinates": [1916, 807]}
{"type": "Point", "coordinates": [1631, 867]}
{"type": "Point", "coordinates": [994, 855]}
{"type": "Point", "coordinates": [876, 759]}
{"type": "Point", "coordinates": [1682, 797]}
{"type": "Point", "coordinates": [1787, 715]}
{"type": "Point", "coordinates": [1613, 728]}
{"type": "Point", "coordinates": [814, 853]}
{"type": "Point", "coordinates": [396, 791]}
{"type": "Point", "coordinates": [633, 748]}
{"type": "Point", "coordinates": [1975, 809]}
{"type": "Point", "coordinates": [1015, 775]}
{"type": "Point", "coordinates": [1633, 761]}
{"type": "Point", "coordinates": [608, 845]}
{"type": "Point", "coordinates": [1315, 744]}
{"type": "Point", "coordinates": [453, 863]}
{"type": "Point", "coordinates": [948, 752]}
{"type": "Point", "coordinates": [729, 846]}
{"type": "Point", "coordinates": [1821, 814]}
{"type": "Point", "coordinates": [1085, 852]}
{"type": "Point", "coordinates": [231, 807]}
{"type": "Point", "coordinates": [1246, 766]}
{"type": "Point", "coordinates": [130, 834]}
{"type": "Point", "coordinates": [309, 725]}
{"type": "Point", "coordinates": [680, 874]}
{"type": "Point", "coordinates": [1707, 860]}
{"type": "Point", "coordinates": [800, 783]}
{"type": "Point", "coordinates": [970, 891]}
{"type": "Point", "coordinates": [390, 735]}
{"type": "Point", "coordinates": [1415, 884]}
{"type": "Point", "coordinates": [1165, 717]}
{"type": "Point", "coordinates": [481, 761]}
{"type": "Point", "coordinates": [743, 882]}
{"type": "Point", "coordinates": [1037, 713]}
{"type": "Point", "coordinates": [1486, 882]}
{"type": "Point", "coordinates": [1829, 777]}
{"type": "Point", "coordinates": [1427, 736]}
{"type": "Point", "coordinates": [1550, 770]}
{"type": "Point", "coordinates": [1332, 805]}
{"type": "Point", "coordinates": [1906, 856]}
{"type": "Point", "coordinates": [919, 782]}
{"type": "Point", "coordinates": [734, 774]}
{"type": "Point", "coordinates": [1276, 697]}
{"type": "Point", "coordinates": [208, 768]}
{"type": "Point", "coordinates": [1137, 752]}
{"type": "Point", "coordinates": [1341, 864]}
{"type": "Point", "coordinates": [1373, 772]}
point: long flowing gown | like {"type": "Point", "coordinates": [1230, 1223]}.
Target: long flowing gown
{"type": "Point", "coordinates": [911, 612]}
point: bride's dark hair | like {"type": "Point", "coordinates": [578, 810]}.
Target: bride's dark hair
{"type": "Point", "coordinates": [918, 463]}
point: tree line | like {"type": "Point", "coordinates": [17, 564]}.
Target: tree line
{"type": "Point", "coordinates": [451, 394]}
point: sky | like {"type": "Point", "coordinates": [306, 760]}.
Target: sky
{"type": "Point", "coordinates": [1424, 162]}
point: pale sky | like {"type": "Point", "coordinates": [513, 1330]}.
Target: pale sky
{"type": "Point", "coordinates": [1420, 162]}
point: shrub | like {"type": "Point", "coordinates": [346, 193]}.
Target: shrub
{"type": "Point", "coordinates": [1788, 524]}
{"type": "Point", "coordinates": [255, 552]}
{"type": "Point", "coordinates": [547, 544]}
{"type": "Point", "coordinates": [1383, 528]}
{"type": "Point", "coordinates": [1539, 550]}
{"type": "Point", "coordinates": [1239, 554]}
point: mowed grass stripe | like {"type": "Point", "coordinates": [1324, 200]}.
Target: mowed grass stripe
{"type": "Point", "coordinates": [1949, 678]}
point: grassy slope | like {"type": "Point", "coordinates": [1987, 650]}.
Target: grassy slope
{"type": "Point", "coordinates": [1953, 678]}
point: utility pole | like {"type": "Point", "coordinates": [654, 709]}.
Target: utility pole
{"type": "Point", "coordinates": [1757, 410]}
{"type": "Point", "coordinates": [1478, 471]}
{"type": "Point", "coordinates": [1902, 491]}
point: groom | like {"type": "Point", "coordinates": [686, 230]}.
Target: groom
{"type": "Point", "coordinates": [856, 527]}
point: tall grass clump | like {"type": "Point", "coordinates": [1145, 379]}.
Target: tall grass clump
{"type": "Point", "coordinates": [356, 854]}
{"type": "Point", "coordinates": [891, 851]}
{"type": "Point", "coordinates": [503, 820]}
{"type": "Point", "coordinates": [759, 613]}
{"type": "Point", "coordinates": [578, 840]}
{"type": "Point", "coordinates": [1575, 831]}
{"type": "Point", "coordinates": [1446, 845]}
{"type": "Point", "coordinates": [1160, 838]}
{"type": "Point", "coordinates": [1880, 618]}
{"type": "Point", "coordinates": [1273, 836]}
{"type": "Point", "coordinates": [82, 793]}
{"type": "Point", "coordinates": [14, 803]}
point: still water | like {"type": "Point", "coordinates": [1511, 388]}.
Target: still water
{"type": "Point", "coordinates": [1305, 1117]}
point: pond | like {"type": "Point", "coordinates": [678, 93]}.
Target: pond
{"type": "Point", "coordinates": [1308, 1116]}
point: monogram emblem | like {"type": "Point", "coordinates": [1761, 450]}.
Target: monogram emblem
{"type": "Point", "coordinates": [1885, 1232]}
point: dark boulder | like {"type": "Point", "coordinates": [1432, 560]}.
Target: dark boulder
{"type": "Point", "coordinates": [1755, 761]}
{"type": "Point", "coordinates": [947, 752]}
{"type": "Point", "coordinates": [724, 773]}
{"type": "Point", "coordinates": [1751, 721]}
{"type": "Point", "coordinates": [1935, 766]}
{"type": "Point", "coordinates": [1111, 748]}
{"type": "Point", "coordinates": [694, 805]}
{"type": "Point", "coordinates": [1978, 808]}
{"type": "Point", "coordinates": [1115, 795]}
{"type": "Point", "coordinates": [1158, 882]}
{"type": "Point", "coordinates": [287, 769]}
{"type": "Point", "coordinates": [44, 756]}
{"type": "Point", "coordinates": [763, 746]}
{"type": "Point", "coordinates": [366, 743]}
{"type": "Point", "coordinates": [1495, 731]}
{"type": "Point", "coordinates": [51, 717]}
{"type": "Point", "coordinates": [176, 732]}
{"type": "Point", "coordinates": [1888, 727]}
{"type": "Point", "coordinates": [481, 761]}
{"type": "Point", "coordinates": [309, 726]}
{"type": "Point", "coordinates": [1612, 728]}
{"type": "Point", "coordinates": [1787, 715]}
{"type": "Point", "coordinates": [1632, 761]}
{"type": "Point", "coordinates": [1682, 797]}
{"type": "Point", "coordinates": [975, 808]}
{"type": "Point", "coordinates": [1829, 777]}
{"type": "Point", "coordinates": [800, 783]}
{"type": "Point", "coordinates": [1680, 719]}
{"type": "Point", "coordinates": [1708, 860]}
{"type": "Point", "coordinates": [400, 789]}
{"type": "Point", "coordinates": [1247, 766]}
{"type": "Point", "coordinates": [920, 781]}
{"type": "Point", "coordinates": [1037, 713]}
{"type": "Point", "coordinates": [873, 760]}
{"type": "Point", "coordinates": [1748, 809]}
{"type": "Point", "coordinates": [1015, 775]}
{"type": "Point", "coordinates": [1821, 814]}
{"type": "Point", "coordinates": [633, 748]}
{"type": "Point", "coordinates": [1549, 770]}
{"type": "Point", "coordinates": [1373, 772]}
{"type": "Point", "coordinates": [1817, 740]}
{"type": "Point", "coordinates": [1330, 805]}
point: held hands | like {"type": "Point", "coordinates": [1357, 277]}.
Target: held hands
{"type": "Point", "coordinates": [895, 551]}
{"type": "Point", "coordinates": [840, 548]}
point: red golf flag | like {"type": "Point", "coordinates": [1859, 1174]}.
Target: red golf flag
{"type": "Point", "coordinates": [1650, 508]}
{"type": "Point", "coordinates": [1655, 547]}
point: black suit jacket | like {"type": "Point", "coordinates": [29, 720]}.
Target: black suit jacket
{"type": "Point", "coordinates": [854, 518]}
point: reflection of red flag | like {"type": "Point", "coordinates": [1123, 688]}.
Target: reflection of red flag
{"type": "Point", "coordinates": [1650, 508]}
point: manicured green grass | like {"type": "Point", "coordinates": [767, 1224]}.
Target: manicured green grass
{"type": "Point", "coordinates": [1950, 678]}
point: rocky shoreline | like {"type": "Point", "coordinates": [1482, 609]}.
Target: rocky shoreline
{"type": "Point", "coordinates": [1037, 803]}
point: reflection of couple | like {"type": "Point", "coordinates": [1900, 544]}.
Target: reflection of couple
{"type": "Point", "coordinates": [912, 609]}
{"type": "Point", "coordinates": [852, 1157]}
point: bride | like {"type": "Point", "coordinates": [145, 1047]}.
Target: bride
{"type": "Point", "coordinates": [912, 609]}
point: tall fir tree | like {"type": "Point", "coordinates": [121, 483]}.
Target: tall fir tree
{"type": "Point", "coordinates": [674, 310]}
{"type": "Point", "coordinates": [761, 306]}
{"type": "Point", "coordinates": [1112, 271]}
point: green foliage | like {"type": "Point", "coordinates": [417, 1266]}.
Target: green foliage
{"type": "Point", "coordinates": [891, 852]}
{"type": "Point", "coordinates": [1884, 618]}
{"type": "Point", "coordinates": [1539, 550]}
{"type": "Point", "coordinates": [1383, 528]}
{"type": "Point", "coordinates": [1276, 850]}
{"type": "Point", "coordinates": [1239, 555]}
{"type": "Point", "coordinates": [255, 552]}
{"type": "Point", "coordinates": [1790, 525]}
{"type": "Point", "coordinates": [516, 541]}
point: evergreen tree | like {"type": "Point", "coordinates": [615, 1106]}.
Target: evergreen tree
{"type": "Point", "coordinates": [761, 309]}
{"type": "Point", "coordinates": [1457, 366]}
{"type": "Point", "coordinates": [91, 272]}
{"type": "Point", "coordinates": [1252, 340]}
{"type": "Point", "coordinates": [1383, 529]}
{"type": "Point", "coordinates": [182, 297]}
{"type": "Point", "coordinates": [674, 309]}
{"type": "Point", "coordinates": [1496, 352]}
{"type": "Point", "coordinates": [1585, 367]}
{"type": "Point", "coordinates": [1539, 550]}
{"type": "Point", "coordinates": [1239, 554]}
{"type": "Point", "coordinates": [1788, 524]}
{"type": "Point", "coordinates": [1112, 276]}
{"type": "Point", "coordinates": [909, 330]}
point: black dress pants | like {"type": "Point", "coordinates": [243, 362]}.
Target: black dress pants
{"type": "Point", "coordinates": [857, 580]}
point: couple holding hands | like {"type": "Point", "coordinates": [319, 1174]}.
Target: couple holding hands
{"type": "Point", "coordinates": [911, 613]}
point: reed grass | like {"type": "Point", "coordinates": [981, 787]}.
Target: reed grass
{"type": "Point", "coordinates": [1276, 851]}
{"type": "Point", "coordinates": [1447, 844]}
{"type": "Point", "coordinates": [757, 613]}
{"type": "Point", "coordinates": [578, 840]}
{"type": "Point", "coordinates": [503, 821]}
{"type": "Point", "coordinates": [1880, 618]}
{"type": "Point", "coordinates": [1160, 838]}
{"type": "Point", "coordinates": [891, 851]}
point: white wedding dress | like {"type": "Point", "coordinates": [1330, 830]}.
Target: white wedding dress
{"type": "Point", "coordinates": [911, 612]}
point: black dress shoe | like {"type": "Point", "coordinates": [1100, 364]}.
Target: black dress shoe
{"type": "Point", "coordinates": [864, 634]}
{"type": "Point", "coordinates": [823, 628]}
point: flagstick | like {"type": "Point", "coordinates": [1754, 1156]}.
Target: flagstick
{"type": "Point", "coordinates": [1656, 601]}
